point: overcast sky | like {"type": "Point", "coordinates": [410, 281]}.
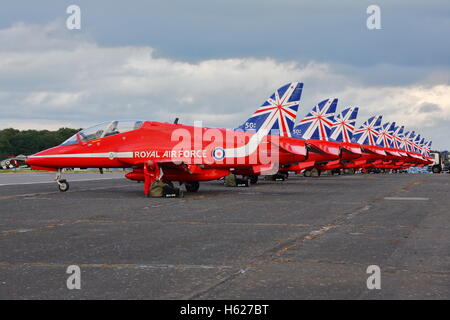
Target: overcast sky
{"type": "Point", "coordinates": [217, 61]}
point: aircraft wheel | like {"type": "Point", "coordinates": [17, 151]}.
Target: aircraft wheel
{"type": "Point", "coordinates": [192, 186]}
{"type": "Point", "coordinates": [63, 185]}
{"type": "Point", "coordinates": [253, 179]}
{"type": "Point", "coordinates": [169, 183]}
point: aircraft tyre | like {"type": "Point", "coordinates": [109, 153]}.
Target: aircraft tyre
{"type": "Point", "coordinates": [169, 183]}
{"type": "Point", "coordinates": [63, 185]}
{"type": "Point", "coordinates": [253, 179]}
{"type": "Point", "coordinates": [336, 172]}
{"type": "Point", "coordinates": [192, 186]}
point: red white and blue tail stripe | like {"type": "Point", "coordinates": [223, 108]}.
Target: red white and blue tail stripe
{"type": "Point", "coordinates": [407, 143]}
{"type": "Point", "coordinates": [422, 145]}
{"type": "Point", "coordinates": [404, 144]}
{"type": "Point", "coordinates": [344, 125]}
{"type": "Point", "coordinates": [427, 148]}
{"type": "Point", "coordinates": [411, 136]}
{"type": "Point", "coordinates": [386, 139]}
{"type": "Point", "coordinates": [318, 123]}
{"type": "Point", "coordinates": [397, 134]}
{"type": "Point", "coordinates": [369, 132]}
{"type": "Point", "coordinates": [278, 113]}
{"type": "Point", "coordinates": [416, 144]}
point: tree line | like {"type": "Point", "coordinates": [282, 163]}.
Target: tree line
{"type": "Point", "coordinates": [14, 142]}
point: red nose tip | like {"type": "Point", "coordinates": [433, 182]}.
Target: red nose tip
{"type": "Point", "coordinates": [39, 159]}
{"type": "Point", "coordinates": [35, 160]}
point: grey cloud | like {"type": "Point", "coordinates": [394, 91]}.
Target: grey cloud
{"type": "Point", "coordinates": [414, 33]}
{"type": "Point", "coordinates": [68, 78]}
{"type": "Point", "coordinates": [429, 107]}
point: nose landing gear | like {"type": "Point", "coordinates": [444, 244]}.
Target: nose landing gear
{"type": "Point", "coordinates": [63, 185]}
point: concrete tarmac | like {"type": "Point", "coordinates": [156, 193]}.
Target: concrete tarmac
{"type": "Point", "coordinates": [305, 238]}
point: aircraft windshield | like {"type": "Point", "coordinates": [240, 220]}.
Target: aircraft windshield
{"type": "Point", "coordinates": [105, 129]}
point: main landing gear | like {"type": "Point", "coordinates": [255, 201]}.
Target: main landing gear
{"type": "Point", "coordinates": [253, 179]}
{"type": "Point", "coordinates": [192, 186]}
{"type": "Point", "coordinates": [63, 185]}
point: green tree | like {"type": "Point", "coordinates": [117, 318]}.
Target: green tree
{"type": "Point", "coordinates": [14, 142]}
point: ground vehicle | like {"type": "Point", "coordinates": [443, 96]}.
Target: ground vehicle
{"type": "Point", "coordinates": [12, 162]}
{"type": "Point", "coordinates": [440, 163]}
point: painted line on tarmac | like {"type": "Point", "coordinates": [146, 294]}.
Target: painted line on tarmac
{"type": "Point", "coordinates": [406, 198]}
{"type": "Point", "coordinates": [41, 182]}
{"type": "Point", "coordinates": [116, 266]}
{"type": "Point", "coordinates": [28, 195]}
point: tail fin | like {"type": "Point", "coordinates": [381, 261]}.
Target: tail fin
{"type": "Point", "coordinates": [428, 145]}
{"type": "Point", "coordinates": [407, 144]}
{"type": "Point", "coordinates": [318, 123]}
{"type": "Point", "coordinates": [369, 132]}
{"type": "Point", "coordinates": [428, 148]}
{"type": "Point", "coordinates": [392, 131]}
{"type": "Point", "coordinates": [416, 142]}
{"type": "Point", "coordinates": [422, 146]}
{"type": "Point", "coordinates": [404, 145]}
{"type": "Point", "coordinates": [385, 138]}
{"type": "Point", "coordinates": [422, 142]}
{"type": "Point", "coordinates": [344, 125]}
{"type": "Point", "coordinates": [398, 137]}
{"type": "Point", "coordinates": [410, 142]}
{"type": "Point", "coordinates": [278, 113]}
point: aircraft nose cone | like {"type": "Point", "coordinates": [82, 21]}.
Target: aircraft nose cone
{"type": "Point", "coordinates": [33, 160]}
{"type": "Point", "coordinates": [47, 159]}
{"type": "Point", "coordinates": [39, 159]}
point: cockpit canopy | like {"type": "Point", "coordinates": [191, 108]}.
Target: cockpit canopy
{"type": "Point", "coordinates": [104, 129]}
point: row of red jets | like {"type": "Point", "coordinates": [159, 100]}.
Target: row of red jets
{"type": "Point", "coordinates": [267, 143]}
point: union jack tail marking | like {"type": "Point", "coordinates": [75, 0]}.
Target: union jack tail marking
{"type": "Point", "coordinates": [407, 143]}
{"type": "Point", "coordinates": [278, 113]}
{"type": "Point", "coordinates": [397, 134]}
{"type": "Point", "coordinates": [416, 144]}
{"type": "Point", "coordinates": [386, 139]}
{"type": "Point", "coordinates": [369, 132]}
{"type": "Point", "coordinates": [318, 123]}
{"type": "Point", "coordinates": [344, 125]}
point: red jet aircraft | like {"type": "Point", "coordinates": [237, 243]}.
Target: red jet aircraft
{"type": "Point", "coordinates": [188, 154]}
